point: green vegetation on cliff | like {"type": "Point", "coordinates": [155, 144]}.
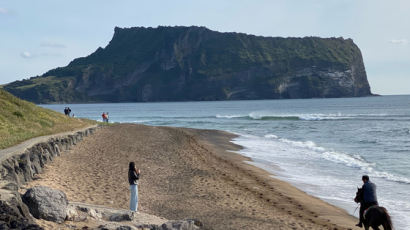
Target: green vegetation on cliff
{"type": "Point", "coordinates": [195, 63]}
{"type": "Point", "coordinates": [21, 120]}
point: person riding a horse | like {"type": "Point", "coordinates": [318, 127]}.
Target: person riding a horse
{"type": "Point", "coordinates": [369, 197]}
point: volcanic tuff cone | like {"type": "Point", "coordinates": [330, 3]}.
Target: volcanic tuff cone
{"type": "Point", "coordinates": [195, 63]}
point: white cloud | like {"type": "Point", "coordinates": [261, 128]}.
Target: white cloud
{"type": "Point", "coordinates": [399, 41]}
{"type": "Point", "coordinates": [3, 11]}
{"type": "Point", "coordinates": [52, 44]}
{"type": "Point", "coordinates": [26, 54]}
{"type": "Point", "coordinates": [30, 55]}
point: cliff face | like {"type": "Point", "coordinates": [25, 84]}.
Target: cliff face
{"type": "Point", "coordinates": [195, 63]}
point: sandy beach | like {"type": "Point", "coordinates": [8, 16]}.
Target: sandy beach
{"type": "Point", "coordinates": [186, 173]}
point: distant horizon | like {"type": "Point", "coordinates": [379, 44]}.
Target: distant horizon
{"type": "Point", "coordinates": [145, 102]}
{"type": "Point", "coordinates": [44, 35]}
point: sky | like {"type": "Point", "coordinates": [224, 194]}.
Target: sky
{"type": "Point", "coordinates": [36, 36]}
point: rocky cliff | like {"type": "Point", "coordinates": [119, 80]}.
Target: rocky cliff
{"type": "Point", "coordinates": [195, 63]}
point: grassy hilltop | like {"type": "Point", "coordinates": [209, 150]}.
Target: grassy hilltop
{"type": "Point", "coordinates": [21, 120]}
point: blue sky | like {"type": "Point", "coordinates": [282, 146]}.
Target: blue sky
{"type": "Point", "coordinates": [37, 36]}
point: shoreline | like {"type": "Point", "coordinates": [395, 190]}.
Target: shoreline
{"type": "Point", "coordinates": [259, 169]}
{"type": "Point", "coordinates": [276, 172]}
{"type": "Point", "coordinates": [187, 173]}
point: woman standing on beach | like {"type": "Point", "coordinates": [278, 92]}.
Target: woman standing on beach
{"type": "Point", "coordinates": [133, 177]}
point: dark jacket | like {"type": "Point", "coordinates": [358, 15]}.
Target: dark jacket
{"type": "Point", "coordinates": [369, 192]}
{"type": "Point", "coordinates": [133, 177]}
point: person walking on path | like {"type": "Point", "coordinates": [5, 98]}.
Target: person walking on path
{"type": "Point", "coordinates": [369, 197]}
{"type": "Point", "coordinates": [67, 111]}
{"type": "Point", "coordinates": [133, 177]}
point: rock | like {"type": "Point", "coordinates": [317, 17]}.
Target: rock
{"type": "Point", "coordinates": [46, 203]}
{"type": "Point", "coordinates": [122, 219]}
{"type": "Point", "coordinates": [13, 213]}
{"type": "Point", "coordinates": [117, 217]}
{"type": "Point", "coordinates": [170, 225]}
{"type": "Point", "coordinates": [113, 226]}
{"type": "Point", "coordinates": [75, 215]}
{"type": "Point", "coordinates": [80, 211]}
{"type": "Point", "coordinates": [12, 186]}
{"type": "Point", "coordinates": [182, 225]}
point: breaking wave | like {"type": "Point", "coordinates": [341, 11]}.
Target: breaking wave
{"type": "Point", "coordinates": [314, 150]}
{"type": "Point", "coordinates": [305, 117]}
{"type": "Point", "coordinates": [313, 116]}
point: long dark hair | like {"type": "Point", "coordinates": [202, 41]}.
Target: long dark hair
{"type": "Point", "coordinates": [131, 166]}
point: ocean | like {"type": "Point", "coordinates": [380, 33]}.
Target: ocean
{"type": "Point", "coordinates": [321, 146]}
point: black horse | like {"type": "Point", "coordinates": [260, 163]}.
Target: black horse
{"type": "Point", "coordinates": [375, 215]}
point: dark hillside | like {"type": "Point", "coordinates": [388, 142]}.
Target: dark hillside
{"type": "Point", "coordinates": [195, 63]}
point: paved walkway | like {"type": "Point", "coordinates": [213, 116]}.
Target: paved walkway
{"type": "Point", "coordinates": [22, 147]}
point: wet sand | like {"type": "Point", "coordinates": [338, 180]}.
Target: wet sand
{"type": "Point", "coordinates": [186, 173]}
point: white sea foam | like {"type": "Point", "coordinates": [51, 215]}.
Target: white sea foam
{"type": "Point", "coordinates": [303, 144]}
{"type": "Point", "coordinates": [141, 121]}
{"type": "Point", "coordinates": [305, 117]}
{"type": "Point", "coordinates": [271, 116]}
{"type": "Point", "coordinates": [228, 116]}
{"type": "Point", "coordinates": [262, 147]}
{"type": "Point", "coordinates": [271, 136]}
{"type": "Point", "coordinates": [326, 173]}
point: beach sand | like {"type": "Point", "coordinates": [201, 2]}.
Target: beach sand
{"type": "Point", "coordinates": [186, 173]}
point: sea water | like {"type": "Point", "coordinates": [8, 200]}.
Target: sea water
{"type": "Point", "coordinates": [322, 146]}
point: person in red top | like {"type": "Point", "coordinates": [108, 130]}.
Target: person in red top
{"type": "Point", "coordinates": [104, 117]}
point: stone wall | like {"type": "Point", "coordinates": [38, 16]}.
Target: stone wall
{"type": "Point", "coordinates": [21, 164]}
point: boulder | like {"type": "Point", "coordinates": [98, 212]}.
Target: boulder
{"type": "Point", "coordinates": [46, 203]}
{"type": "Point", "coordinates": [13, 212]}
{"type": "Point", "coordinates": [181, 225]}
{"type": "Point", "coordinates": [118, 217]}
{"type": "Point", "coordinates": [114, 226]}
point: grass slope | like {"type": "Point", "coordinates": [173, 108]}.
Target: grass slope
{"type": "Point", "coordinates": [21, 120]}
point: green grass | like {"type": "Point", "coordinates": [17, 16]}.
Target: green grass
{"type": "Point", "coordinates": [38, 81]}
{"type": "Point", "coordinates": [21, 120]}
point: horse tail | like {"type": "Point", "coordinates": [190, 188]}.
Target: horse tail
{"type": "Point", "coordinates": [387, 224]}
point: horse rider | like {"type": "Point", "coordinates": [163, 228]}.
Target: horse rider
{"type": "Point", "coordinates": [369, 197]}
